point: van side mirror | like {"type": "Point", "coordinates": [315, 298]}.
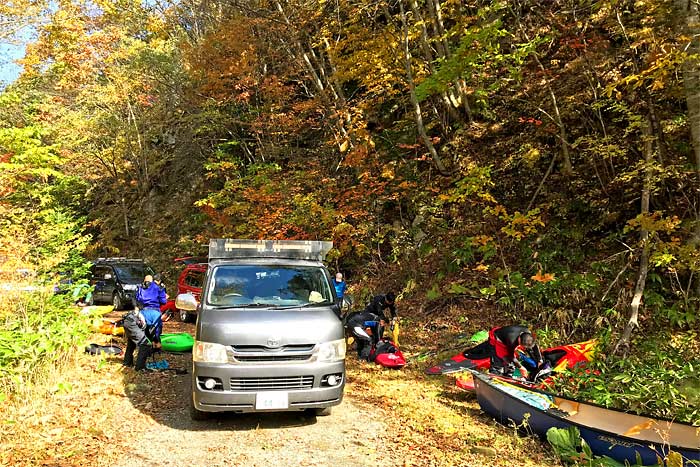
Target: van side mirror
{"type": "Point", "coordinates": [346, 303]}
{"type": "Point", "coordinates": [186, 301]}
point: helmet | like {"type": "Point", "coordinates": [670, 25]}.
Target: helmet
{"type": "Point", "coordinates": [390, 297]}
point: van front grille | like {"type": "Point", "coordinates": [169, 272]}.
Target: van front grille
{"type": "Point", "coordinates": [262, 348]}
{"type": "Point", "coordinates": [272, 384]}
{"type": "Point", "coordinates": [272, 358]}
{"type": "Point", "coordinates": [261, 354]}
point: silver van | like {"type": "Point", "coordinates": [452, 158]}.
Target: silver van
{"type": "Point", "coordinates": [268, 334]}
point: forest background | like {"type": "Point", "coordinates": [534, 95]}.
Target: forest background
{"type": "Point", "coordinates": [539, 158]}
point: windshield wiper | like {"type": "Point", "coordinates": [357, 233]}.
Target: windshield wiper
{"type": "Point", "coordinates": [305, 305]}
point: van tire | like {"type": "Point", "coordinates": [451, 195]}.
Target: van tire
{"type": "Point", "coordinates": [324, 412]}
{"type": "Point", "coordinates": [197, 415]}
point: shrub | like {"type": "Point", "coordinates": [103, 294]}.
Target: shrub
{"type": "Point", "coordinates": [38, 334]}
{"type": "Point", "coordinates": [659, 378]}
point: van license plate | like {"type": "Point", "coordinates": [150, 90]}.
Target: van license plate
{"type": "Point", "coordinates": [271, 400]}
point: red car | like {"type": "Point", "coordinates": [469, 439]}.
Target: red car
{"type": "Point", "coordinates": [190, 281]}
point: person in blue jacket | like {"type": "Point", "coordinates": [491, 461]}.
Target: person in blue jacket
{"type": "Point", "coordinates": [340, 287]}
{"type": "Point", "coordinates": [143, 328]}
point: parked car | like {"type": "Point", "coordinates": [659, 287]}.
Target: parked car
{"type": "Point", "coordinates": [268, 337]}
{"type": "Point", "coordinates": [115, 280]}
{"type": "Point", "coordinates": [190, 281]}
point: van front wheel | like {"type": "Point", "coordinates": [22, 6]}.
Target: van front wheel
{"type": "Point", "coordinates": [326, 411]}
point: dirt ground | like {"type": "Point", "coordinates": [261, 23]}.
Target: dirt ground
{"type": "Point", "coordinates": [348, 437]}
{"type": "Point", "coordinates": [100, 414]}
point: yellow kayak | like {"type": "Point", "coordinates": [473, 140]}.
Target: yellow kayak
{"type": "Point", "coordinates": [97, 310]}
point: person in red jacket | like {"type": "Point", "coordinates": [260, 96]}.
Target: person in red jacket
{"type": "Point", "coordinates": [504, 340]}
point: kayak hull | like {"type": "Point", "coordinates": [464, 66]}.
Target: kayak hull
{"type": "Point", "coordinates": [106, 326]}
{"type": "Point", "coordinates": [619, 435]}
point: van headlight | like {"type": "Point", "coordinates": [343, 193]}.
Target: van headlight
{"type": "Point", "coordinates": [332, 351]}
{"type": "Point", "coordinates": [208, 352]}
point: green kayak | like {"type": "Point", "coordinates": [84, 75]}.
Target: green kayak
{"type": "Point", "coordinates": [177, 342]}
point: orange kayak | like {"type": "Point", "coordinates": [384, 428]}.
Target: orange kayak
{"type": "Point", "coordinates": [105, 326]}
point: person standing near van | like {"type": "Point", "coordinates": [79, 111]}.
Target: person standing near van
{"type": "Point", "coordinates": [340, 287]}
{"type": "Point", "coordinates": [380, 303]}
{"type": "Point", "coordinates": [146, 325]}
{"type": "Point", "coordinates": [159, 282]}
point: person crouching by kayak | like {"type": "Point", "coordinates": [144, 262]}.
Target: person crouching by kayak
{"type": "Point", "coordinates": [145, 325]}
{"type": "Point", "coordinates": [504, 341]}
{"type": "Point", "coordinates": [364, 328]}
{"type": "Point", "coordinates": [367, 326]}
{"type": "Point", "coordinates": [527, 356]}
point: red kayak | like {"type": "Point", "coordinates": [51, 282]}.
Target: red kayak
{"type": "Point", "coordinates": [387, 354]}
{"type": "Point", "coordinates": [559, 358]}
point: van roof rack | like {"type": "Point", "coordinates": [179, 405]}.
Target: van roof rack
{"type": "Point", "coordinates": [225, 248]}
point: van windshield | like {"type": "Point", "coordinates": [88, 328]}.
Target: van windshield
{"type": "Point", "coordinates": [275, 286]}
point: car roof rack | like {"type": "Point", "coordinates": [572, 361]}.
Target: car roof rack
{"type": "Point", "coordinates": [119, 259]}
{"type": "Point", "coordinates": [225, 248]}
{"type": "Point", "coordinates": [186, 260]}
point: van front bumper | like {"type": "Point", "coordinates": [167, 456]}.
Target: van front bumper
{"type": "Point", "coordinates": [227, 396]}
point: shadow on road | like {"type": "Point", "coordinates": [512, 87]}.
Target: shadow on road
{"type": "Point", "coordinates": [165, 396]}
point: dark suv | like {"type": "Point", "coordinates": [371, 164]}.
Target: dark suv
{"type": "Point", "coordinates": [116, 279]}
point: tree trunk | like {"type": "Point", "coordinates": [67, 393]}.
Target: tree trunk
{"type": "Point", "coordinates": [567, 168]}
{"type": "Point", "coordinates": [125, 214]}
{"type": "Point", "coordinates": [412, 90]}
{"type": "Point", "coordinates": [688, 25]}
{"type": "Point", "coordinates": [428, 56]}
{"type": "Point", "coordinates": [688, 12]}
{"type": "Point", "coordinates": [633, 321]}
{"type": "Point", "coordinates": [322, 87]}
{"type": "Point", "coordinates": [443, 50]}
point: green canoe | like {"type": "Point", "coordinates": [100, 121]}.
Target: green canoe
{"type": "Point", "coordinates": [177, 342]}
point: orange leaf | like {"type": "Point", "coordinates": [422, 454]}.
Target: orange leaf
{"type": "Point", "coordinates": [543, 278]}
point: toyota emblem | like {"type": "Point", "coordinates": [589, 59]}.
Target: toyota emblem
{"type": "Point", "coordinates": [274, 342]}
